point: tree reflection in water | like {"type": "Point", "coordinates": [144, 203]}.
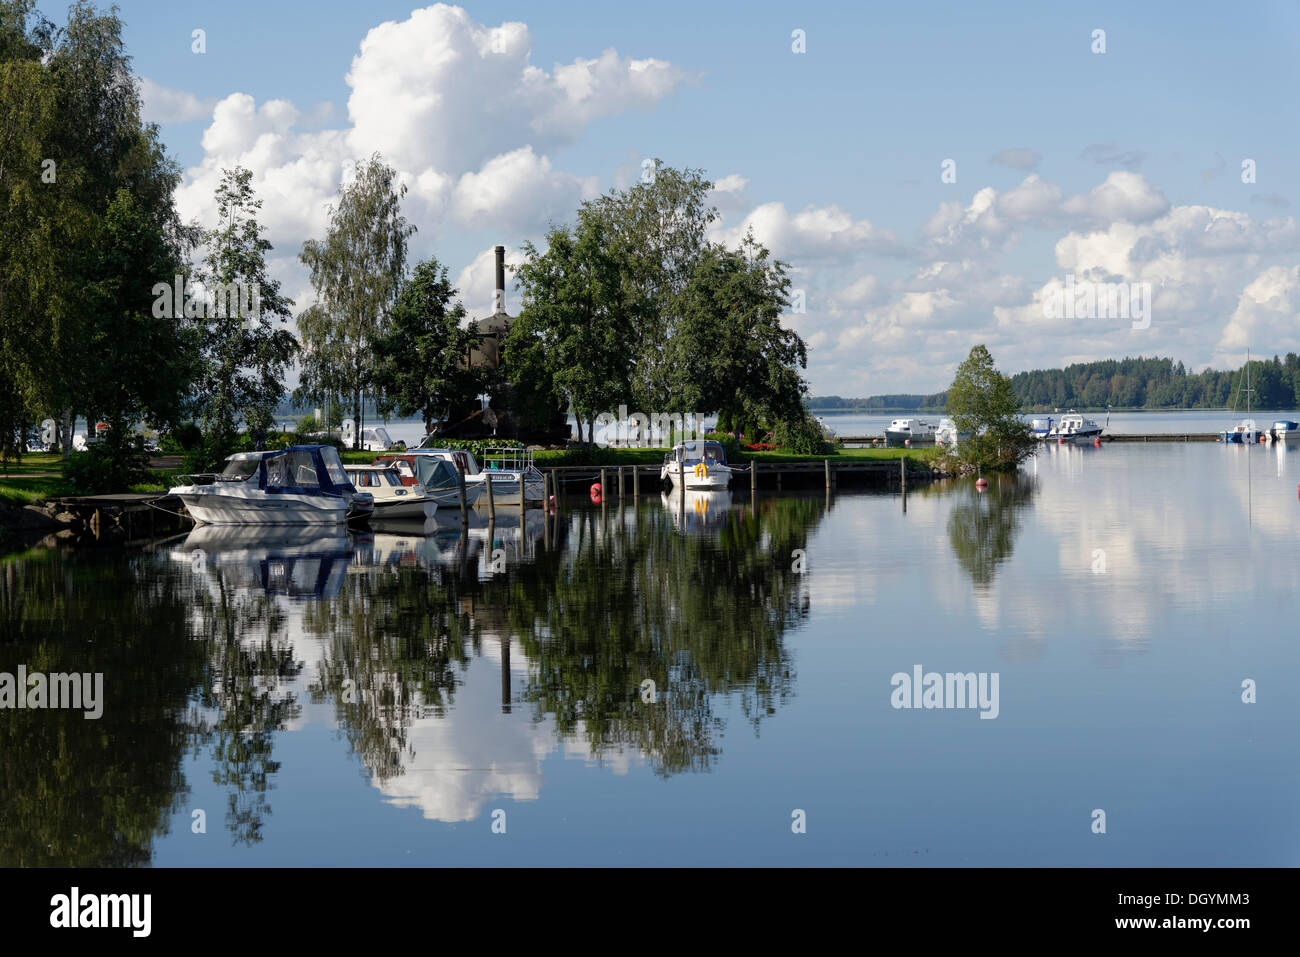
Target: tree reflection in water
{"type": "Point", "coordinates": [983, 526]}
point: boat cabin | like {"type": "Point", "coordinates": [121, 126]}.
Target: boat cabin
{"type": "Point", "coordinates": [697, 451]}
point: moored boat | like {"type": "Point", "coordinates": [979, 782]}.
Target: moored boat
{"type": "Point", "coordinates": [1041, 428]}
{"type": "Point", "coordinates": [698, 464]}
{"type": "Point", "coordinates": [299, 485]}
{"type": "Point", "coordinates": [1074, 426]}
{"type": "Point", "coordinates": [392, 498]}
{"type": "Point", "coordinates": [913, 431]}
{"type": "Point", "coordinates": [1245, 433]}
{"type": "Point", "coordinates": [1284, 432]}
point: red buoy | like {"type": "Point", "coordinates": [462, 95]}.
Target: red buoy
{"type": "Point", "coordinates": [1096, 443]}
{"type": "Point", "coordinates": [595, 492]}
{"type": "Point", "coordinates": [552, 501]}
{"type": "Point", "coordinates": [981, 484]}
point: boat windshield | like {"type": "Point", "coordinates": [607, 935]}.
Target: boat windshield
{"type": "Point", "coordinates": [333, 465]}
{"type": "Point", "coordinates": [692, 453]}
{"type": "Point", "coordinates": [239, 470]}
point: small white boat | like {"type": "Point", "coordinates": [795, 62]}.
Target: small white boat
{"type": "Point", "coordinates": [509, 470]}
{"type": "Point", "coordinates": [1074, 426]}
{"type": "Point", "coordinates": [392, 498]}
{"type": "Point", "coordinates": [699, 464]}
{"type": "Point", "coordinates": [947, 434]}
{"type": "Point", "coordinates": [376, 440]}
{"type": "Point", "coordinates": [1246, 433]}
{"type": "Point", "coordinates": [300, 485]}
{"type": "Point", "coordinates": [1041, 428]}
{"type": "Point", "coordinates": [914, 431]}
{"type": "Point", "coordinates": [1284, 432]}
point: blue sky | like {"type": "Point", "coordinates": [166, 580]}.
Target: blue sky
{"type": "Point", "coordinates": [1129, 162]}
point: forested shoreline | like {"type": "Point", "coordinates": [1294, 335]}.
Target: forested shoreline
{"type": "Point", "coordinates": [1129, 383]}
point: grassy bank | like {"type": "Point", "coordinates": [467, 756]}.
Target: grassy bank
{"type": "Point", "coordinates": [615, 457]}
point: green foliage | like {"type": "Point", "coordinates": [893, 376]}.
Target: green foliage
{"type": "Point", "coordinates": [577, 318]}
{"type": "Point", "coordinates": [982, 402]}
{"type": "Point", "coordinates": [245, 349]}
{"type": "Point", "coordinates": [420, 359]}
{"type": "Point", "coordinates": [801, 435]}
{"type": "Point", "coordinates": [729, 352]}
{"type": "Point", "coordinates": [356, 272]}
{"type": "Point", "coordinates": [110, 465]}
{"type": "Point", "coordinates": [180, 439]}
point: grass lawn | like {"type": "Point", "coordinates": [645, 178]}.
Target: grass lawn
{"type": "Point", "coordinates": [20, 490]}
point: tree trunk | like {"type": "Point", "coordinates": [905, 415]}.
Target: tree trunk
{"type": "Point", "coordinates": [356, 419]}
{"type": "Point", "coordinates": [66, 424]}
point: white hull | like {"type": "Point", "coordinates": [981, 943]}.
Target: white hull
{"type": "Point", "coordinates": [505, 491]}
{"type": "Point", "coordinates": [419, 509]}
{"type": "Point", "coordinates": [923, 438]}
{"type": "Point", "coordinates": [219, 508]}
{"type": "Point", "coordinates": [718, 478]}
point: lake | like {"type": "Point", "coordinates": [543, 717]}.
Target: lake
{"type": "Point", "coordinates": [302, 697]}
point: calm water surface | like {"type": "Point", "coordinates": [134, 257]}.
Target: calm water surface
{"type": "Point", "coordinates": [384, 698]}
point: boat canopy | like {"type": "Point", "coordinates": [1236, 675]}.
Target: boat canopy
{"type": "Point", "coordinates": [304, 469]}
{"type": "Point", "coordinates": [697, 450]}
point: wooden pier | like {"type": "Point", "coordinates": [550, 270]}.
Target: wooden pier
{"type": "Point", "coordinates": [819, 473]}
{"type": "Point", "coordinates": [879, 440]}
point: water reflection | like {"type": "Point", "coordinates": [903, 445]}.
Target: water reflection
{"type": "Point", "coordinates": [983, 525]}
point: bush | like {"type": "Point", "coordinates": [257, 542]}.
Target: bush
{"type": "Point", "coordinates": [802, 437]}
{"type": "Point", "coordinates": [108, 467]}
{"type": "Point", "coordinates": [180, 439]}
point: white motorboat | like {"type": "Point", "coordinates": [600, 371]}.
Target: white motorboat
{"type": "Point", "coordinates": [913, 431]}
{"type": "Point", "coordinates": [508, 469]}
{"type": "Point", "coordinates": [393, 499]}
{"type": "Point", "coordinates": [947, 434]}
{"type": "Point", "coordinates": [699, 464]}
{"type": "Point", "coordinates": [1284, 432]}
{"type": "Point", "coordinates": [300, 485]}
{"type": "Point", "coordinates": [1074, 426]}
{"type": "Point", "coordinates": [1041, 428]}
{"type": "Point", "coordinates": [1245, 433]}
{"type": "Point", "coordinates": [435, 475]}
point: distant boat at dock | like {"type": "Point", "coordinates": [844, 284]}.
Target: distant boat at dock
{"type": "Point", "coordinates": [1074, 426]}
{"type": "Point", "coordinates": [913, 431]}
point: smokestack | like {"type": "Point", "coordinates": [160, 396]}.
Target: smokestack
{"type": "Point", "coordinates": [499, 302]}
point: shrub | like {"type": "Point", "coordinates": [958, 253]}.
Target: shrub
{"type": "Point", "coordinates": [802, 436]}
{"type": "Point", "coordinates": [180, 439]}
{"type": "Point", "coordinates": [108, 467]}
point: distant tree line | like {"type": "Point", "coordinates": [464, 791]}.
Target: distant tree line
{"type": "Point", "coordinates": [1160, 384]}
{"type": "Point", "coordinates": [1129, 383]}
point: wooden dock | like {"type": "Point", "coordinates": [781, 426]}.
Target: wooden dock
{"type": "Point", "coordinates": [822, 473]}
{"type": "Point", "coordinates": [879, 440]}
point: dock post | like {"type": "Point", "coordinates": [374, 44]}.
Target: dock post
{"type": "Point", "coordinates": [636, 482]}
{"type": "Point", "coordinates": [681, 481]}
{"type": "Point", "coordinates": [620, 485]}
{"type": "Point", "coordinates": [523, 510]}
{"type": "Point", "coordinates": [460, 487]}
{"type": "Point", "coordinates": [492, 502]}
{"type": "Point", "coordinates": [602, 487]}
{"type": "Point", "coordinates": [753, 478]}
{"type": "Point", "coordinates": [546, 511]}
{"type": "Point", "coordinates": [827, 463]}
{"type": "Point", "coordinates": [902, 480]}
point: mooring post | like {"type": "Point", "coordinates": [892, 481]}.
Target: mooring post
{"type": "Point", "coordinates": [827, 462]}
{"type": "Point", "coordinates": [620, 485]}
{"type": "Point", "coordinates": [492, 502]}
{"type": "Point", "coordinates": [460, 487]}
{"type": "Point", "coordinates": [636, 482]}
{"type": "Point", "coordinates": [681, 481]}
{"type": "Point", "coordinates": [753, 478]}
